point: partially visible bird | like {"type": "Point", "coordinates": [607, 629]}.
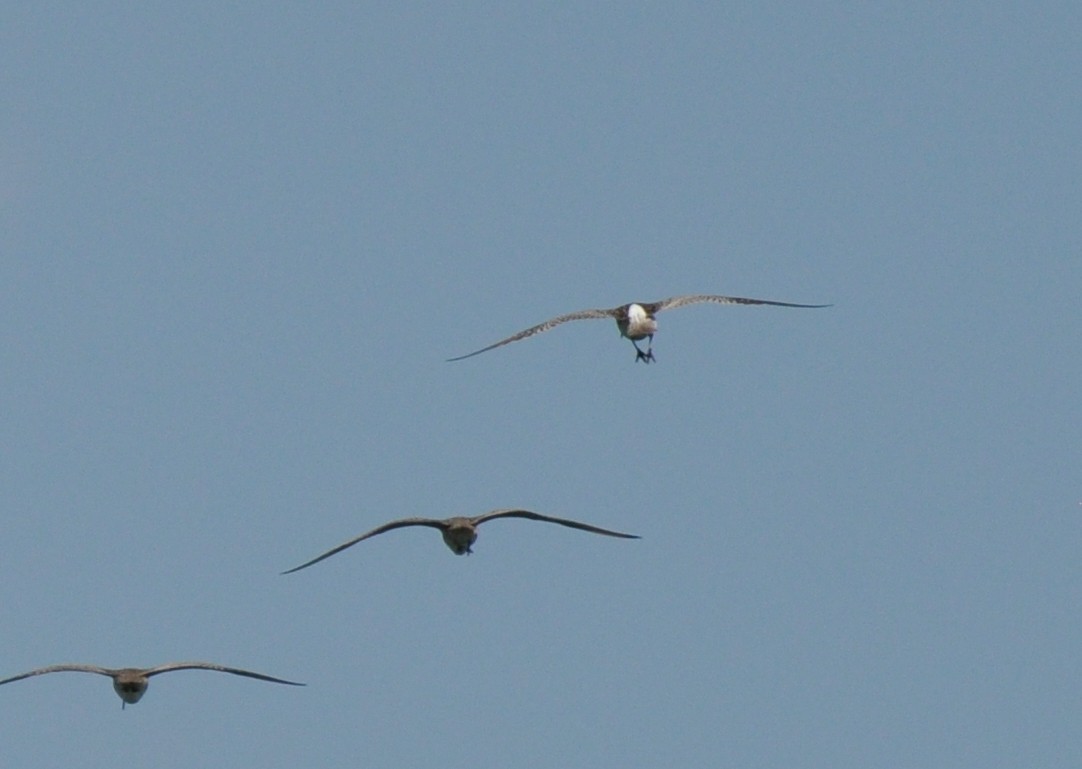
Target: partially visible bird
{"type": "Point", "coordinates": [131, 683]}
{"type": "Point", "coordinates": [635, 320]}
{"type": "Point", "coordinates": [459, 533]}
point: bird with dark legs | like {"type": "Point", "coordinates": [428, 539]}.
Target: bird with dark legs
{"type": "Point", "coordinates": [636, 321]}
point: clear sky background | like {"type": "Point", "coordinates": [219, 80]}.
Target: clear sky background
{"type": "Point", "coordinates": [238, 244]}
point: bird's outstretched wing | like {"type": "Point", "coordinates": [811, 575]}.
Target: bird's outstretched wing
{"type": "Point", "coordinates": [552, 322]}
{"type": "Point", "coordinates": [538, 517]}
{"type": "Point", "coordinates": [60, 669]}
{"type": "Point", "coordinates": [679, 301]}
{"type": "Point", "coordinates": [432, 522]}
{"type": "Point", "coordinates": [169, 666]}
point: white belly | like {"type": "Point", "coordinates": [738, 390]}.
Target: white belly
{"type": "Point", "coordinates": [639, 324]}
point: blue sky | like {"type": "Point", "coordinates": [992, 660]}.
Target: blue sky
{"type": "Point", "coordinates": [237, 246]}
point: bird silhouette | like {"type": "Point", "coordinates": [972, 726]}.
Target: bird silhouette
{"type": "Point", "coordinates": [459, 533]}
{"type": "Point", "coordinates": [636, 320]}
{"type": "Point", "coordinates": [131, 683]}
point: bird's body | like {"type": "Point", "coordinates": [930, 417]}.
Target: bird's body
{"type": "Point", "coordinates": [635, 320]}
{"type": "Point", "coordinates": [460, 532]}
{"type": "Point", "coordinates": [131, 683]}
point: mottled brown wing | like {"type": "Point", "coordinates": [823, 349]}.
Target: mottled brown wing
{"type": "Point", "coordinates": [580, 315]}
{"type": "Point", "coordinates": [679, 301]}
{"type": "Point", "coordinates": [169, 666]}
{"type": "Point", "coordinates": [432, 522]}
{"type": "Point", "coordinates": [548, 518]}
{"type": "Point", "coordinates": [60, 669]}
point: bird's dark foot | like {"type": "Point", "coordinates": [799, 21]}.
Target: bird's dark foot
{"type": "Point", "coordinates": [645, 357]}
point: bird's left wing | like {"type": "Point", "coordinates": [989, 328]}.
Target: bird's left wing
{"type": "Point", "coordinates": [220, 668]}
{"type": "Point", "coordinates": [679, 301]}
{"type": "Point", "coordinates": [550, 519]}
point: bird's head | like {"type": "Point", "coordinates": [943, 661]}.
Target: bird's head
{"type": "Point", "coordinates": [131, 690]}
{"type": "Point", "coordinates": [460, 537]}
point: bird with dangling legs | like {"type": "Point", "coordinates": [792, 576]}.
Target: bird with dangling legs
{"type": "Point", "coordinates": [636, 320]}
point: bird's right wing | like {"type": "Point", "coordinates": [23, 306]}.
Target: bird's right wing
{"type": "Point", "coordinates": [432, 522]}
{"type": "Point", "coordinates": [580, 315]}
{"type": "Point", "coordinates": [61, 669]}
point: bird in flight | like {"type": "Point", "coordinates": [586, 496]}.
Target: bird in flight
{"type": "Point", "coordinates": [131, 683]}
{"type": "Point", "coordinates": [460, 533]}
{"type": "Point", "coordinates": [636, 321]}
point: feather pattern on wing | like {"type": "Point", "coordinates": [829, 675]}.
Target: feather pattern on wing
{"type": "Point", "coordinates": [61, 669]}
{"type": "Point", "coordinates": [549, 519]}
{"type": "Point", "coordinates": [540, 327]}
{"type": "Point", "coordinates": [170, 666]}
{"type": "Point", "coordinates": [431, 522]}
{"type": "Point", "coordinates": [680, 301]}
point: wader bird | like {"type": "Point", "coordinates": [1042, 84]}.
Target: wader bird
{"type": "Point", "coordinates": [460, 533]}
{"type": "Point", "coordinates": [131, 683]}
{"type": "Point", "coordinates": [636, 320]}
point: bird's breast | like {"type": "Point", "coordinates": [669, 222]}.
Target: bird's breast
{"type": "Point", "coordinates": [638, 324]}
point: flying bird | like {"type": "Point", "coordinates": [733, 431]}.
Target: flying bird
{"type": "Point", "coordinates": [636, 320]}
{"type": "Point", "coordinates": [460, 533]}
{"type": "Point", "coordinates": [131, 683]}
